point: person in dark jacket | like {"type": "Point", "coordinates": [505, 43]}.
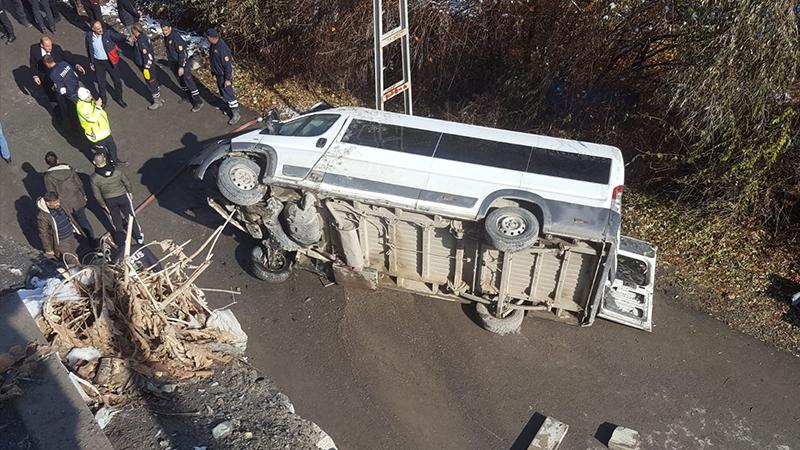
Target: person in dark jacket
{"type": "Point", "coordinates": [222, 68]}
{"type": "Point", "coordinates": [179, 59]}
{"type": "Point", "coordinates": [39, 71]}
{"type": "Point", "coordinates": [128, 12]}
{"type": "Point", "coordinates": [93, 12]}
{"type": "Point", "coordinates": [66, 84]}
{"type": "Point", "coordinates": [140, 257]}
{"type": "Point", "coordinates": [42, 15]}
{"type": "Point", "coordinates": [54, 9]}
{"type": "Point", "coordinates": [112, 189]}
{"type": "Point", "coordinates": [103, 52]}
{"type": "Point", "coordinates": [64, 181]}
{"type": "Point", "coordinates": [16, 9]}
{"type": "Point", "coordinates": [143, 57]}
{"type": "Point", "coordinates": [56, 230]}
{"type": "Point", "coordinates": [5, 24]}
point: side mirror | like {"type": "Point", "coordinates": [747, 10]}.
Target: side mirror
{"type": "Point", "coordinates": [321, 142]}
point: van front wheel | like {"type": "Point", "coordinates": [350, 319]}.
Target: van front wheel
{"type": "Point", "coordinates": [511, 229]}
{"type": "Point", "coordinates": [238, 181]}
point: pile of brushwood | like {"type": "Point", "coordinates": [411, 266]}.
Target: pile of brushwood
{"type": "Point", "coordinates": [130, 328]}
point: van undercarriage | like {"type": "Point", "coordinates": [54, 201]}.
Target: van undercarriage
{"type": "Point", "coordinates": [372, 246]}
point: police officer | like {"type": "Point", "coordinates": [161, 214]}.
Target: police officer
{"type": "Point", "coordinates": [179, 59]}
{"type": "Point", "coordinates": [222, 68]}
{"type": "Point", "coordinates": [143, 56]}
{"type": "Point", "coordinates": [66, 84]}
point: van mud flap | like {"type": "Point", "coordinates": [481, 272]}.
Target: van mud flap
{"type": "Point", "coordinates": [629, 299]}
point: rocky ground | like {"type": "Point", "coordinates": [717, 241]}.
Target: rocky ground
{"type": "Point", "coordinates": [243, 408]}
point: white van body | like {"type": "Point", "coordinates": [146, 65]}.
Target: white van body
{"type": "Point", "coordinates": [386, 170]}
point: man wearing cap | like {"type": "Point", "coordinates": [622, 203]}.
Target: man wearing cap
{"type": "Point", "coordinates": [222, 68]}
{"type": "Point", "coordinates": [94, 121]}
{"type": "Point", "coordinates": [179, 59]}
{"type": "Point", "coordinates": [143, 56]}
{"type": "Point", "coordinates": [56, 229]}
{"type": "Point", "coordinates": [103, 51]}
{"type": "Point", "coordinates": [112, 189]}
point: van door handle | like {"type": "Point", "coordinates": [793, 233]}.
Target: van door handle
{"type": "Point", "coordinates": [321, 142]}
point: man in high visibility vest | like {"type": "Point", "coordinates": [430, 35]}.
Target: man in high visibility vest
{"type": "Point", "coordinates": [94, 121]}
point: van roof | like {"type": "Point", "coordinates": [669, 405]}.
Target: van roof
{"type": "Point", "coordinates": [476, 131]}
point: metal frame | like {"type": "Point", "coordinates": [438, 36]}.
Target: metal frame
{"type": "Point", "coordinates": [382, 95]}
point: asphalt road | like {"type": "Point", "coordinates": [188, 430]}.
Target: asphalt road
{"type": "Point", "coordinates": [391, 370]}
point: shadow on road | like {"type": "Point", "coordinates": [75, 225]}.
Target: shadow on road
{"type": "Point", "coordinates": [604, 432]}
{"type": "Point", "coordinates": [527, 434]}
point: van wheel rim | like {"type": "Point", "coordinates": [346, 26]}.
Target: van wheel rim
{"type": "Point", "coordinates": [243, 178]}
{"type": "Point", "coordinates": [511, 225]}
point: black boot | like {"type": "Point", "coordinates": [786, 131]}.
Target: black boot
{"type": "Point", "coordinates": [197, 103]}
{"type": "Point", "coordinates": [235, 117]}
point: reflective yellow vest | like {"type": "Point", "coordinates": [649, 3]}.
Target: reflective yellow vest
{"type": "Point", "coordinates": [94, 120]}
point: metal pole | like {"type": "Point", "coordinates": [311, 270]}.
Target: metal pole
{"type": "Point", "coordinates": [406, 55]}
{"type": "Point", "coordinates": [377, 13]}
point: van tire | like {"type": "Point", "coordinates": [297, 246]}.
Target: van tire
{"type": "Point", "coordinates": [263, 271]}
{"type": "Point", "coordinates": [511, 229]}
{"type": "Point", "coordinates": [499, 325]}
{"type": "Point", "coordinates": [238, 180]}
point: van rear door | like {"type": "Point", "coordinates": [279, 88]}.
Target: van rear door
{"type": "Point", "coordinates": [629, 298]}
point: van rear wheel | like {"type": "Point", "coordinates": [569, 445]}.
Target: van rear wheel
{"type": "Point", "coordinates": [238, 180]}
{"type": "Point", "coordinates": [511, 229]}
{"type": "Point", "coordinates": [499, 325]}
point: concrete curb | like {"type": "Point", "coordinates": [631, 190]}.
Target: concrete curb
{"type": "Point", "coordinates": [51, 409]}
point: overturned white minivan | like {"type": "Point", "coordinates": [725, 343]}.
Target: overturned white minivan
{"type": "Point", "coordinates": [515, 223]}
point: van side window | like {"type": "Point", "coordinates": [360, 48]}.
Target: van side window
{"type": "Point", "coordinates": [575, 166]}
{"type": "Point", "coordinates": [483, 152]}
{"type": "Point", "coordinates": [391, 137]}
{"type": "Point", "coordinates": [308, 126]}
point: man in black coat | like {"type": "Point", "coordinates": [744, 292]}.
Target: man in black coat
{"type": "Point", "coordinates": [38, 70]}
{"type": "Point", "coordinates": [104, 54]}
{"type": "Point", "coordinates": [128, 12]}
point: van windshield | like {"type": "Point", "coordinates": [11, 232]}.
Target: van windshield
{"type": "Point", "coordinates": [308, 126]}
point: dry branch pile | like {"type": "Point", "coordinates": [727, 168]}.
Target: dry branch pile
{"type": "Point", "coordinates": [149, 327]}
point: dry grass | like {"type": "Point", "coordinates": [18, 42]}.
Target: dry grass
{"type": "Point", "coordinates": [737, 272]}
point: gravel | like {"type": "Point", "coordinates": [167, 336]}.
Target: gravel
{"type": "Point", "coordinates": [242, 408]}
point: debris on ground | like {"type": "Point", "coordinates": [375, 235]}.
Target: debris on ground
{"type": "Point", "coordinates": [131, 337]}
{"type": "Point", "coordinates": [237, 408]}
{"type": "Point", "coordinates": [16, 366]}
{"type": "Point", "coordinates": [118, 329]}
